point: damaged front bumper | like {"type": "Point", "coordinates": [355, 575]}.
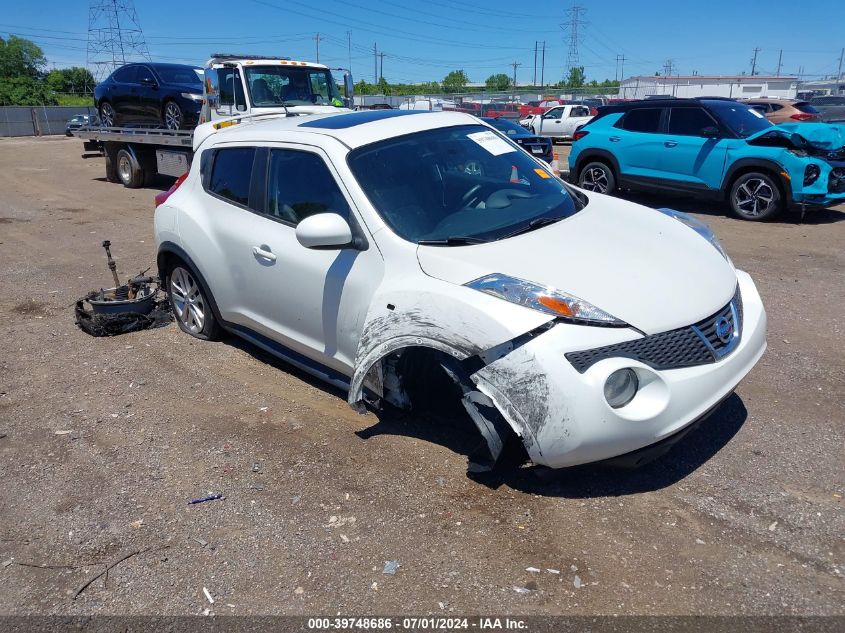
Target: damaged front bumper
{"type": "Point", "coordinates": [562, 415]}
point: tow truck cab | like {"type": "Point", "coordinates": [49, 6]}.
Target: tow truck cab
{"type": "Point", "coordinates": [243, 84]}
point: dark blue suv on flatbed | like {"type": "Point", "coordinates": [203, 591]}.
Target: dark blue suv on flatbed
{"type": "Point", "coordinates": [716, 148]}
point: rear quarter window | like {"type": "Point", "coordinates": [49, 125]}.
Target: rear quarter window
{"type": "Point", "coordinates": [231, 174]}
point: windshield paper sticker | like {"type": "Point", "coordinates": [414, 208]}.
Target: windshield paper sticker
{"type": "Point", "coordinates": [491, 142]}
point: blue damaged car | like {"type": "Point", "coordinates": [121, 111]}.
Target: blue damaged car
{"type": "Point", "coordinates": [715, 148]}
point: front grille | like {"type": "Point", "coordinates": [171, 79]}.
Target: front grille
{"type": "Point", "coordinates": [697, 344]}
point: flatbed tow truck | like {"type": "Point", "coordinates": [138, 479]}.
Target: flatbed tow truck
{"type": "Point", "coordinates": [136, 155]}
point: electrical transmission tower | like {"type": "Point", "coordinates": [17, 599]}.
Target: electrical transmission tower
{"type": "Point", "coordinates": [574, 21]}
{"type": "Point", "coordinates": [114, 36]}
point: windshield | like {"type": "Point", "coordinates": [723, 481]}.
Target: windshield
{"type": "Point", "coordinates": [176, 75]}
{"type": "Point", "coordinates": [741, 119]}
{"type": "Point", "coordinates": [511, 129]}
{"type": "Point", "coordinates": [276, 85]}
{"type": "Point", "coordinates": [458, 184]}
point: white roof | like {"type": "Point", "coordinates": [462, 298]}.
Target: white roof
{"type": "Point", "coordinates": [353, 129]}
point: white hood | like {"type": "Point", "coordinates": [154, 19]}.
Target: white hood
{"type": "Point", "coordinates": [643, 267]}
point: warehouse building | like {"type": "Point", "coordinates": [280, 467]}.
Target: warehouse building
{"type": "Point", "coordinates": [690, 86]}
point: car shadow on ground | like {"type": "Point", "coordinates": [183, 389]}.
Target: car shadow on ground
{"type": "Point", "coordinates": [719, 208]}
{"type": "Point", "coordinates": [449, 427]}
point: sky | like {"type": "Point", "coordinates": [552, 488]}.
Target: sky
{"type": "Point", "coordinates": [423, 41]}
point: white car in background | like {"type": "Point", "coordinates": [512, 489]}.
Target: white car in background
{"type": "Point", "coordinates": [558, 122]}
{"type": "Point", "coordinates": [409, 256]}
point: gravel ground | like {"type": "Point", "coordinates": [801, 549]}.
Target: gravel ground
{"type": "Point", "coordinates": [103, 442]}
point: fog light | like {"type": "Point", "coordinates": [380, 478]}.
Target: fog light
{"type": "Point", "coordinates": [621, 387]}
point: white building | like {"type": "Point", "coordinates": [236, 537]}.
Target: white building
{"type": "Point", "coordinates": [733, 86]}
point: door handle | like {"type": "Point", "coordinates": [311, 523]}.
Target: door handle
{"type": "Point", "coordinates": [615, 139]}
{"type": "Point", "coordinates": [260, 252]}
{"type": "Point", "coordinates": [670, 143]}
{"type": "Point", "coordinates": [558, 121]}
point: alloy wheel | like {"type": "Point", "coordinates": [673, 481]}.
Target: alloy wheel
{"type": "Point", "coordinates": [172, 116]}
{"type": "Point", "coordinates": [187, 299]}
{"type": "Point", "coordinates": [594, 179]}
{"type": "Point", "coordinates": [107, 114]}
{"type": "Point", "coordinates": [124, 168]}
{"type": "Point", "coordinates": [754, 197]}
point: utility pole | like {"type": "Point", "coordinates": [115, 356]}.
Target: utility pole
{"type": "Point", "coordinates": [535, 63]}
{"type": "Point", "coordinates": [668, 67]}
{"type": "Point", "coordinates": [515, 65]}
{"type": "Point", "coordinates": [754, 62]}
{"type": "Point", "coordinates": [375, 63]}
{"type": "Point", "coordinates": [381, 66]}
{"type": "Point", "coordinates": [780, 60]}
{"type": "Point", "coordinates": [543, 67]}
{"type": "Point", "coordinates": [620, 68]}
{"type": "Point", "coordinates": [317, 38]}
{"type": "Point", "coordinates": [349, 48]}
{"type": "Point", "coordinates": [839, 71]}
{"type": "Point", "coordinates": [575, 20]}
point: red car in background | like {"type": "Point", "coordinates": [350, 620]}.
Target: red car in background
{"type": "Point", "coordinates": [538, 107]}
{"type": "Point", "coordinates": [501, 110]}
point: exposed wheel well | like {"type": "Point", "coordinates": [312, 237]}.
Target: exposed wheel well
{"type": "Point", "coordinates": [425, 379]}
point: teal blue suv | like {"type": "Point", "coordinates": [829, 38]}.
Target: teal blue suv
{"type": "Point", "coordinates": [714, 148]}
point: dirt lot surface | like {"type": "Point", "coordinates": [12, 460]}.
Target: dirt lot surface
{"type": "Point", "coordinates": [104, 441]}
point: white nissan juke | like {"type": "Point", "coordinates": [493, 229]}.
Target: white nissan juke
{"type": "Point", "coordinates": [406, 256]}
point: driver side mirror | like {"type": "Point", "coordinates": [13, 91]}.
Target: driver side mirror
{"type": "Point", "coordinates": [711, 131]}
{"type": "Point", "coordinates": [324, 230]}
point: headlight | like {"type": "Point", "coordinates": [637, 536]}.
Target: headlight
{"type": "Point", "coordinates": [544, 299]}
{"type": "Point", "coordinates": [192, 96]}
{"type": "Point", "coordinates": [699, 227]}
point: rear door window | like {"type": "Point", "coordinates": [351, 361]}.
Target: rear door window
{"type": "Point", "coordinates": [231, 174]}
{"type": "Point", "coordinates": [689, 121]}
{"type": "Point", "coordinates": [642, 120]}
{"type": "Point", "coordinates": [806, 108]}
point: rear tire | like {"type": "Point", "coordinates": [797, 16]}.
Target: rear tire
{"type": "Point", "coordinates": [597, 177]}
{"type": "Point", "coordinates": [108, 116]}
{"type": "Point", "coordinates": [755, 196]}
{"type": "Point", "coordinates": [129, 172]}
{"type": "Point", "coordinates": [172, 116]}
{"type": "Point", "coordinates": [189, 303]}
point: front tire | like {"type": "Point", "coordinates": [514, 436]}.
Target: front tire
{"type": "Point", "coordinates": [597, 177]}
{"type": "Point", "coordinates": [756, 196]}
{"type": "Point", "coordinates": [172, 116]}
{"type": "Point", "coordinates": [190, 304]}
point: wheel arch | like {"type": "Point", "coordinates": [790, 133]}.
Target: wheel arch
{"type": "Point", "coordinates": [747, 165]}
{"type": "Point", "coordinates": [168, 253]}
{"type": "Point", "coordinates": [596, 155]}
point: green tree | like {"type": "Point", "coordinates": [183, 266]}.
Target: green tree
{"type": "Point", "coordinates": [74, 80]}
{"type": "Point", "coordinates": [576, 77]}
{"type": "Point", "coordinates": [498, 82]}
{"type": "Point", "coordinates": [25, 91]}
{"type": "Point", "coordinates": [383, 86]}
{"type": "Point", "coordinates": [20, 58]}
{"type": "Point", "coordinates": [455, 81]}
